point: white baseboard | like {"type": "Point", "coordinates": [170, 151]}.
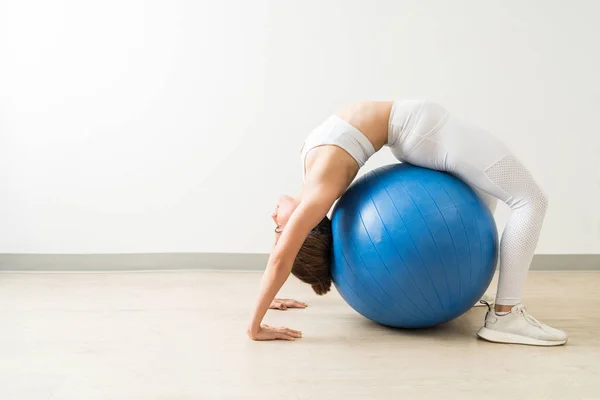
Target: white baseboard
{"type": "Point", "coordinates": [218, 261]}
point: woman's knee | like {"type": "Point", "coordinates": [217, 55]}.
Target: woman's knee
{"type": "Point", "coordinates": [536, 200]}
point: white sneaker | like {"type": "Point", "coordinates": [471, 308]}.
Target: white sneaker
{"type": "Point", "coordinates": [519, 327]}
{"type": "Point", "coordinates": [485, 300]}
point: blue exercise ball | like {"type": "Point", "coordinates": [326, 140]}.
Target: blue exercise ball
{"type": "Point", "coordinates": [412, 247]}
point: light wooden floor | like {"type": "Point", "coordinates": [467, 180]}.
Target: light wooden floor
{"type": "Point", "coordinates": [181, 335]}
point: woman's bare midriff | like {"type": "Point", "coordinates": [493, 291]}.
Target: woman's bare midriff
{"type": "Point", "coordinates": [371, 118]}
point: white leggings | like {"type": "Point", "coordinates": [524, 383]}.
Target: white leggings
{"type": "Point", "coordinates": [424, 134]}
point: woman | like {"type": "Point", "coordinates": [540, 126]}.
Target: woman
{"type": "Point", "coordinates": [424, 134]}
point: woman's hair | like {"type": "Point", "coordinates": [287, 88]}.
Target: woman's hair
{"type": "Point", "coordinates": [313, 262]}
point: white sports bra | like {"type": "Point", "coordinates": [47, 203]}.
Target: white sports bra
{"type": "Point", "coordinates": [337, 132]}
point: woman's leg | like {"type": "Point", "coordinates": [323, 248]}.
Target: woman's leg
{"type": "Point", "coordinates": [486, 164]}
{"type": "Point", "coordinates": [491, 202]}
{"type": "Point", "coordinates": [528, 205]}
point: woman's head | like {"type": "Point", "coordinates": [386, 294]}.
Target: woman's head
{"type": "Point", "coordinates": [313, 262]}
{"type": "Point", "coordinates": [285, 207]}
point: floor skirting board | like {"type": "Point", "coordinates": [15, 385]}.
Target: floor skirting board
{"type": "Point", "coordinates": [218, 261]}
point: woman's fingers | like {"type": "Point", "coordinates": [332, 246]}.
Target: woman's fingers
{"type": "Point", "coordinates": [284, 304]}
{"type": "Point", "coordinates": [297, 304]}
{"type": "Point", "coordinates": [283, 336]}
{"type": "Point", "coordinates": [289, 331]}
{"type": "Point", "coordinates": [294, 303]}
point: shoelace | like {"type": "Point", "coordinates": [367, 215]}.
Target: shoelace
{"type": "Point", "coordinates": [522, 310]}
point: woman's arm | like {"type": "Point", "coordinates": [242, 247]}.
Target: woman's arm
{"type": "Point", "coordinates": [311, 210]}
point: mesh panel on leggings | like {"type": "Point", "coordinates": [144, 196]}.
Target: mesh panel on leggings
{"type": "Point", "coordinates": [519, 240]}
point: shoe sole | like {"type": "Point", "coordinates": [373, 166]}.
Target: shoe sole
{"type": "Point", "coordinates": [504, 337]}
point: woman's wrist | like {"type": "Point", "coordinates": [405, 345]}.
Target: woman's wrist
{"type": "Point", "coordinates": [253, 330]}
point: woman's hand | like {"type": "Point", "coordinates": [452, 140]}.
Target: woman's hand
{"type": "Point", "coordinates": [267, 332]}
{"type": "Point", "coordinates": [284, 304]}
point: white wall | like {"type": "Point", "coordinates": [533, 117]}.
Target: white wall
{"type": "Point", "coordinates": [167, 126]}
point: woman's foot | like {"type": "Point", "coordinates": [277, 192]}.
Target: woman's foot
{"type": "Point", "coordinates": [519, 327]}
